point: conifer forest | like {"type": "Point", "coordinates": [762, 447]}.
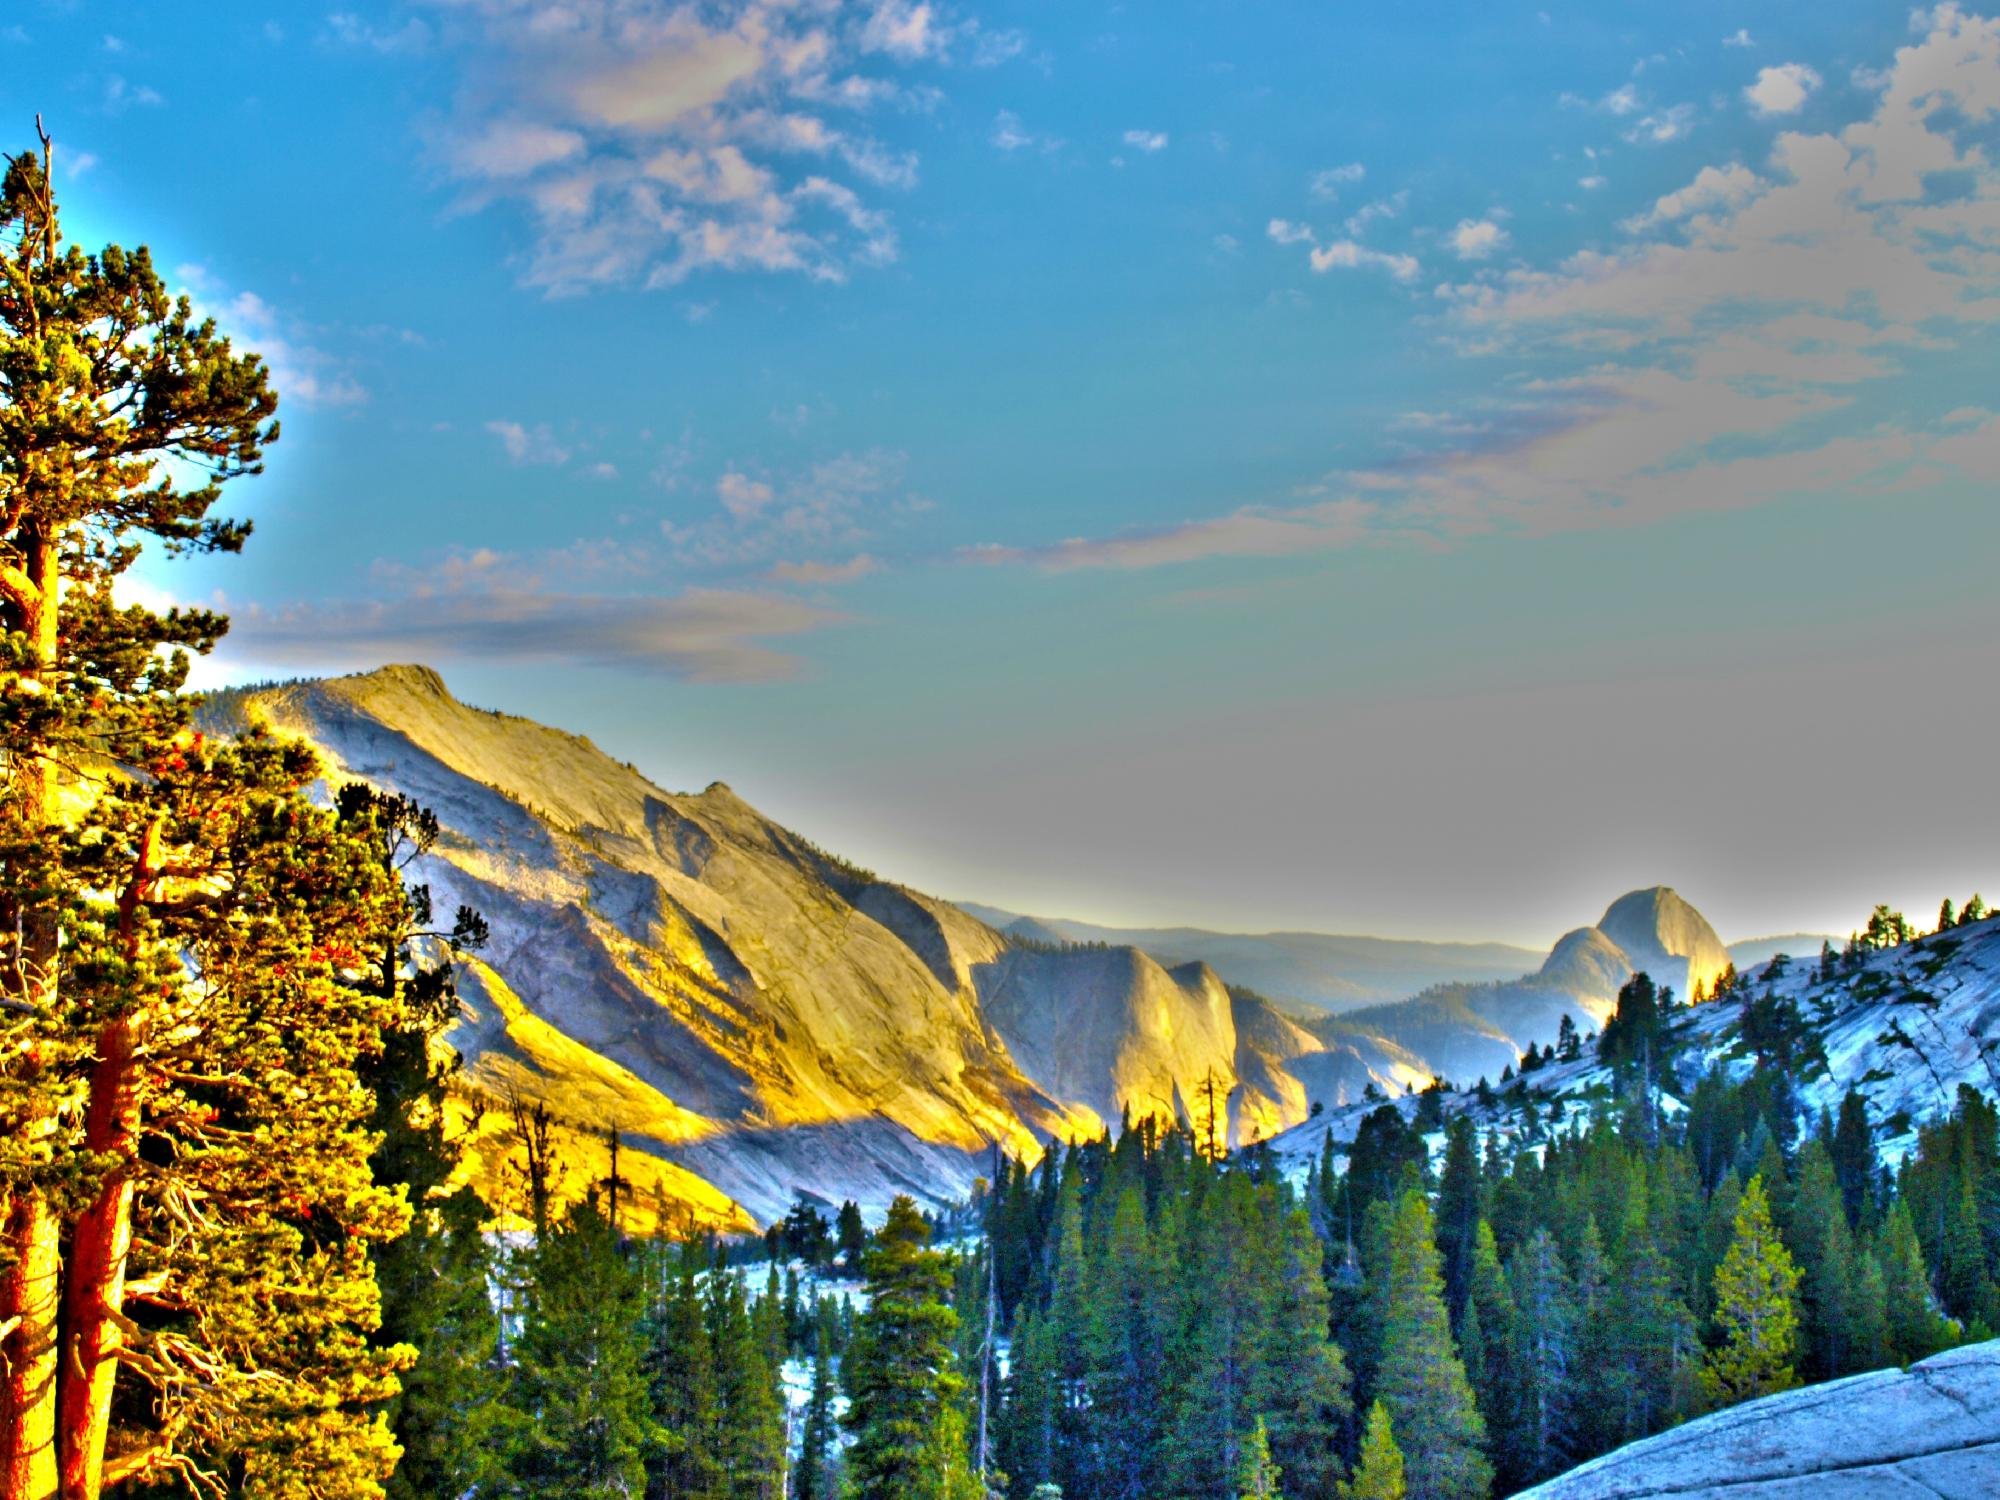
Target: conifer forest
{"type": "Point", "coordinates": [403, 1100]}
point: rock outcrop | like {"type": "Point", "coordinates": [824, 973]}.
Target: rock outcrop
{"type": "Point", "coordinates": [756, 1017]}
{"type": "Point", "coordinates": [1930, 1431]}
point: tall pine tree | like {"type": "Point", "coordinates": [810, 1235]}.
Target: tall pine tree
{"type": "Point", "coordinates": [1421, 1380]}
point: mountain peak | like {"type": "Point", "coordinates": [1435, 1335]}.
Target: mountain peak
{"type": "Point", "coordinates": [411, 676]}
{"type": "Point", "coordinates": [1656, 924]}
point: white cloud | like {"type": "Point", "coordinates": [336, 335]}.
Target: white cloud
{"type": "Point", "coordinates": [1662, 126]}
{"type": "Point", "coordinates": [1327, 184]}
{"type": "Point", "coordinates": [1782, 90]}
{"type": "Point", "coordinates": [1705, 358]}
{"type": "Point", "coordinates": [1739, 38]}
{"type": "Point", "coordinates": [903, 30]}
{"type": "Point", "coordinates": [528, 445]}
{"type": "Point", "coordinates": [119, 96]}
{"type": "Point", "coordinates": [741, 495]}
{"type": "Point", "coordinates": [1346, 255]}
{"type": "Point", "coordinates": [1623, 100]}
{"type": "Point", "coordinates": [644, 144]}
{"type": "Point", "coordinates": [302, 371]}
{"type": "Point", "coordinates": [513, 148]}
{"type": "Point", "coordinates": [1147, 141]}
{"type": "Point", "coordinates": [346, 29]}
{"type": "Point", "coordinates": [1591, 183]}
{"type": "Point", "coordinates": [1390, 207]}
{"type": "Point", "coordinates": [1010, 135]}
{"type": "Point", "coordinates": [1285, 232]}
{"type": "Point", "coordinates": [1477, 239]}
{"type": "Point", "coordinates": [1713, 188]}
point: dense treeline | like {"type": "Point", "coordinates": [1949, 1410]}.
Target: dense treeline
{"type": "Point", "coordinates": [1492, 1321]}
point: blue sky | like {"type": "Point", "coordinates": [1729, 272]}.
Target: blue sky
{"type": "Point", "coordinates": [1411, 469]}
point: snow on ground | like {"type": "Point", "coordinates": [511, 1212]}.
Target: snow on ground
{"type": "Point", "coordinates": [1906, 1028]}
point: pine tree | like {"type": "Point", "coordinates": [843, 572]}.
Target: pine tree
{"type": "Point", "coordinates": [1421, 1381]}
{"type": "Point", "coordinates": [904, 1413]}
{"type": "Point", "coordinates": [1028, 1430]}
{"type": "Point", "coordinates": [1544, 1352]}
{"type": "Point", "coordinates": [814, 1477]}
{"type": "Point", "coordinates": [1378, 1475]}
{"type": "Point", "coordinates": [750, 1420]}
{"type": "Point", "coordinates": [434, 1280]}
{"type": "Point", "coordinates": [850, 1233]}
{"type": "Point", "coordinates": [1123, 1333]}
{"type": "Point", "coordinates": [1300, 1382]}
{"type": "Point", "coordinates": [1258, 1477]}
{"type": "Point", "coordinates": [580, 1417]}
{"type": "Point", "coordinates": [1912, 1327]}
{"type": "Point", "coordinates": [1458, 1214]}
{"type": "Point", "coordinates": [686, 1461]}
{"type": "Point", "coordinates": [1854, 1161]}
{"type": "Point", "coordinates": [140, 907]}
{"type": "Point", "coordinates": [1486, 1344]}
{"type": "Point", "coordinates": [1755, 1290]}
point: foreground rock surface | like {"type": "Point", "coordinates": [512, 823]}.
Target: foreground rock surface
{"type": "Point", "coordinates": [1932, 1430]}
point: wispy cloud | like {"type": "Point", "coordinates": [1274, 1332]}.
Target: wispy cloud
{"type": "Point", "coordinates": [813, 516]}
{"type": "Point", "coordinates": [702, 635]}
{"type": "Point", "coordinates": [1148, 141]}
{"type": "Point", "coordinates": [302, 370]}
{"type": "Point", "coordinates": [1708, 354]}
{"type": "Point", "coordinates": [647, 143]}
{"type": "Point", "coordinates": [529, 445]}
{"type": "Point", "coordinates": [1327, 185]}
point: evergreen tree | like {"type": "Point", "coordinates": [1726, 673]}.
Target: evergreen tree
{"type": "Point", "coordinates": [903, 1394]}
{"type": "Point", "coordinates": [1028, 1426]}
{"type": "Point", "coordinates": [850, 1233]}
{"type": "Point", "coordinates": [748, 1348]}
{"type": "Point", "coordinates": [1855, 1165]}
{"type": "Point", "coordinates": [1912, 1327]}
{"type": "Point", "coordinates": [1378, 1475]}
{"type": "Point", "coordinates": [1755, 1288]}
{"type": "Point", "coordinates": [814, 1478]}
{"type": "Point", "coordinates": [1258, 1477]}
{"type": "Point", "coordinates": [1459, 1213]}
{"type": "Point", "coordinates": [580, 1418]}
{"type": "Point", "coordinates": [1544, 1351]}
{"type": "Point", "coordinates": [1421, 1381]}
{"type": "Point", "coordinates": [172, 930]}
{"type": "Point", "coordinates": [435, 1279]}
{"type": "Point", "coordinates": [685, 1463]}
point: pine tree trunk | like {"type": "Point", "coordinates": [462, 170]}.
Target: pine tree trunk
{"type": "Point", "coordinates": [94, 1293]}
{"type": "Point", "coordinates": [30, 1285]}
{"type": "Point", "coordinates": [94, 1288]}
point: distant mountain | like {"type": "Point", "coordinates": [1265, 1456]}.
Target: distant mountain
{"type": "Point", "coordinates": [1465, 1031]}
{"type": "Point", "coordinates": [1312, 970]}
{"type": "Point", "coordinates": [1906, 1028]}
{"type": "Point", "coordinates": [756, 1017]}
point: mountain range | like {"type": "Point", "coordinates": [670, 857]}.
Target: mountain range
{"type": "Point", "coordinates": [759, 1019]}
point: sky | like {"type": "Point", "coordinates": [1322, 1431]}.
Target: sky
{"type": "Point", "coordinates": [1407, 469]}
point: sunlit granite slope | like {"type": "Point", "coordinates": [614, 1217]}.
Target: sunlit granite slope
{"type": "Point", "coordinates": [1931, 1431]}
{"type": "Point", "coordinates": [757, 1017]}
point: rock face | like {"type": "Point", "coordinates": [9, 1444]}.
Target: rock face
{"type": "Point", "coordinates": [755, 1016]}
{"type": "Point", "coordinates": [1463, 1031]}
{"type": "Point", "coordinates": [1933, 1430]}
